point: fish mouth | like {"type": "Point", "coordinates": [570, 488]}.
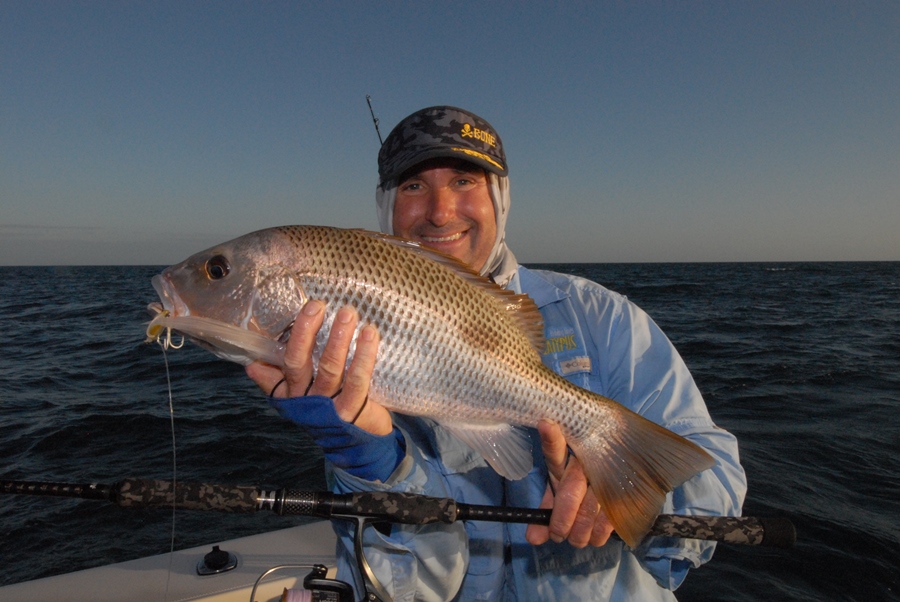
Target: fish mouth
{"type": "Point", "coordinates": [169, 300]}
{"type": "Point", "coordinates": [164, 311]}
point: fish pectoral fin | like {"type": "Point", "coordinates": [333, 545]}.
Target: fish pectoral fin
{"type": "Point", "coordinates": [506, 448]}
{"type": "Point", "coordinates": [632, 472]}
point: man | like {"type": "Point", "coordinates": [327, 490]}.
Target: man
{"type": "Point", "coordinates": [443, 182]}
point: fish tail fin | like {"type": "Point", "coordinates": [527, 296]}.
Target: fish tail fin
{"type": "Point", "coordinates": [631, 472]}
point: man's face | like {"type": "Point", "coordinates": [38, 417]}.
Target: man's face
{"type": "Point", "coordinates": [446, 205]}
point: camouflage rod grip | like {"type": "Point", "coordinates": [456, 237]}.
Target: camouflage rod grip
{"type": "Point", "coordinates": [746, 530]}
{"type": "Point", "coordinates": [395, 507]}
{"type": "Point", "coordinates": [153, 493]}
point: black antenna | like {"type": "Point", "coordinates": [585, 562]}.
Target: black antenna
{"type": "Point", "coordinates": [374, 119]}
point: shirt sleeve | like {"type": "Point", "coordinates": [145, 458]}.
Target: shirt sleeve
{"type": "Point", "coordinates": [359, 452]}
{"type": "Point", "coordinates": [640, 368]}
{"type": "Point", "coordinates": [421, 562]}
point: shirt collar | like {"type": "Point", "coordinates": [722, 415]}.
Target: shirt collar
{"type": "Point", "coordinates": [540, 290]}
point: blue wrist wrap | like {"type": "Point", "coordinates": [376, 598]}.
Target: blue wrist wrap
{"type": "Point", "coordinates": [360, 453]}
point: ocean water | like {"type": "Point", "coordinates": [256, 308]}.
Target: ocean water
{"type": "Point", "coordinates": [801, 361]}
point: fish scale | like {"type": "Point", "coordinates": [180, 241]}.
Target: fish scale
{"type": "Point", "coordinates": [453, 347]}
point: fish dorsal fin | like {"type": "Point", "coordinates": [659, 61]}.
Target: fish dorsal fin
{"type": "Point", "coordinates": [520, 307]}
{"type": "Point", "coordinates": [528, 316]}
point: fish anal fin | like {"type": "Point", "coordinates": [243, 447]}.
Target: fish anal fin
{"type": "Point", "coordinates": [506, 448]}
{"type": "Point", "coordinates": [631, 473]}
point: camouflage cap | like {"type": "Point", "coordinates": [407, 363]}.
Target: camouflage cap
{"type": "Point", "coordinates": [441, 132]}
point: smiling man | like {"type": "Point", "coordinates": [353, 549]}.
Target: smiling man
{"type": "Point", "coordinates": [446, 204]}
{"type": "Point", "coordinates": [444, 182]}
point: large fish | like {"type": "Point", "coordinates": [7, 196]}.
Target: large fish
{"type": "Point", "coordinates": [454, 347]}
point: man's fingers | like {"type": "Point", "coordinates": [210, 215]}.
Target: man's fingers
{"type": "Point", "coordinates": [266, 377]}
{"type": "Point", "coordinates": [553, 444]}
{"type": "Point", "coordinates": [568, 480]}
{"type": "Point", "coordinates": [298, 368]}
{"type": "Point", "coordinates": [576, 513]}
{"type": "Point", "coordinates": [359, 374]}
{"type": "Point", "coordinates": [591, 525]}
{"type": "Point", "coordinates": [582, 529]}
{"type": "Point", "coordinates": [330, 375]}
{"type": "Point", "coordinates": [352, 399]}
{"type": "Point", "coordinates": [602, 530]}
{"type": "Point", "coordinates": [570, 493]}
{"type": "Point", "coordinates": [353, 403]}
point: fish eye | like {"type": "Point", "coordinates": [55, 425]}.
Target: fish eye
{"type": "Point", "coordinates": [217, 267]}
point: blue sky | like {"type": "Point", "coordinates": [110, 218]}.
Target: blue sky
{"type": "Point", "coordinates": [139, 133]}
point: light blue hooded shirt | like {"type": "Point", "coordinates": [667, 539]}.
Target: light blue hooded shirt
{"type": "Point", "coordinates": [600, 341]}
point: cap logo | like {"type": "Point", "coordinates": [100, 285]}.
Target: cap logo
{"type": "Point", "coordinates": [485, 136]}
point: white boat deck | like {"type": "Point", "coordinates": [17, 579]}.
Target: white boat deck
{"type": "Point", "coordinates": [149, 579]}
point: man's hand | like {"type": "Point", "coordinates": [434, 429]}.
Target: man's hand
{"type": "Point", "coordinates": [349, 390]}
{"type": "Point", "coordinates": [576, 514]}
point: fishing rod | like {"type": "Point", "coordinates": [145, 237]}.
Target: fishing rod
{"type": "Point", "coordinates": [393, 507]}
{"type": "Point", "coordinates": [374, 119]}
{"type": "Point", "coordinates": [368, 508]}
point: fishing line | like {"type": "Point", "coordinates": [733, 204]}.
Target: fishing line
{"type": "Point", "coordinates": [174, 465]}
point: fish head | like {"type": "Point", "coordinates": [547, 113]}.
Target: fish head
{"type": "Point", "coordinates": [245, 284]}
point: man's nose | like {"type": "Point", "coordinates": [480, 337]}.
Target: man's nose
{"type": "Point", "coordinates": [441, 206]}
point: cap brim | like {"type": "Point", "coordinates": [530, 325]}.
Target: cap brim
{"type": "Point", "coordinates": [455, 152]}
